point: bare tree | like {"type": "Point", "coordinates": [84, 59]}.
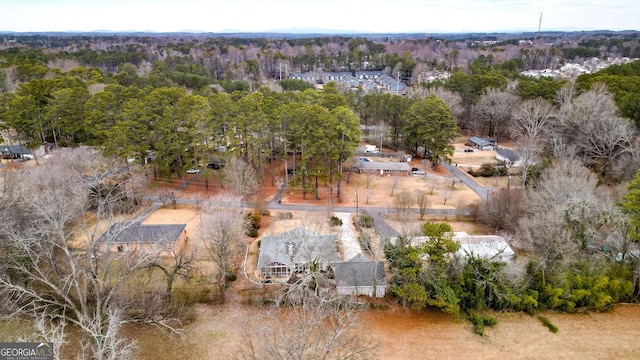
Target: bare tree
{"type": "Point", "coordinates": [531, 118]}
{"type": "Point", "coordinates": [590, 127]}
{"type": "Point", "coordinates": [307, 321]}
{"type": "Point", "coordinates": [369, 179]}
{"type": "Point", "coordinates": [47, 330]}
{"type": "Point", "coordinates": [51, 260]}
{"type": "Point", "coordinates": [222, 228]}
{"type": "Point", "coordinates": [529, 150]}
{"type": "Point", "coordinates": [179, 264]}
{"type": "Point", "coordinates": [495, 108]}
{"type": "Point", "coordinates": [394, 184]}
{"type": "Point", "coordinates": [403, 201]}
{"type": "Point", "coordinates": [422, 201]}
{"type": "Point", "coordinates": [452, 99]}
{"type": "Point", "coordinates": [311, 331]}
{"type": "Point", "coordinates": [240, 177]}
{"type": "Point", "coordinates": [446, 194]}
{"type": "Point", "coordinates": [564, 215]}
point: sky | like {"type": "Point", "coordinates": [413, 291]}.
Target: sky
{"type": "Point", "coordinates": [365, 16]}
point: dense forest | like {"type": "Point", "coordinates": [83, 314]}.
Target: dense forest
{"type": "Point", "coordinates": [184, 99]}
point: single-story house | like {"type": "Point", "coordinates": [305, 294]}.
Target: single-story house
{"type": "Point", "coordinates": [479, 143]}
{"type": "Point", "coordinates": [509, 157]}
{"type": "Point", "coordinates": [360, 276]}
{"type": "Point", "coordinates": [292, 252]}
{"type": "Point", "coordinates": [491, 247]}
{"type": "Point", "coordinates": [18, 151]}
{"type": "Point", "coordinates": [134, 236]}
{"type": "Point", "coordinates": [383, 167]}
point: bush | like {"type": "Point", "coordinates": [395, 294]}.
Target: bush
{"type": "Point", "coordinates": [480, 321]}
{"type": "Point", "coordinates": [231, 276]}
{"type": "Point", "coordinates": [488, 170]}
{"type": "Point", "coordinates": [335, 221]}
{"type": "Point", "coordinates": [254, 219]}
{"type": "Point", "coordinates": [365, 242]}
{"type": "Point", "coordinates": [284, 216]}
{"type": "Point", "coordinates": [365, 221]}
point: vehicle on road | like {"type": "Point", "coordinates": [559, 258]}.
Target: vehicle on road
{"type": "Point", "coordinates": [468, 150]}
{"type": "Point", "coordinates": [193, 171]}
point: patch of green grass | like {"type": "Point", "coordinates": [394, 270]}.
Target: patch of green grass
{"type": "Point", "coordinates": [547, 323]}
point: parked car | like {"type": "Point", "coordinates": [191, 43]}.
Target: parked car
{"type": "Point", "coordinates": [417, 171]}
{"type": "Point", "coordinates": [468, 150]}
{"type": "Point", "coordinates": [193, 171]}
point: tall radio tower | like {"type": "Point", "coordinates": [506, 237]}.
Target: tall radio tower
{"type": "Point", "coordinates": [540, 23]}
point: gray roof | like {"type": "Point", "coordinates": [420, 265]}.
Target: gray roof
{"type": "Point", "coordinates": [359, 271]}
{"type": "Point", "coordinates": [18, 149]}
{"type": "Point", "coordinates": [132, 232]}
{"type": "Point", "coordinates": [482, 141]}
{"type": "Point", "coordinates": [296, 246]}
{"type": "Point", "coordinates": [391, 83]}
{"type": "Point", "coordinates": [508, 154]}
{"type": "Point", "coordinates": [382, 165]}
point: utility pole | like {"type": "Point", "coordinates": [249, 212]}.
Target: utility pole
{"type": "Point", "coordinates": [357, 210]}
{"type": "Point", "coordinates": [540, 23]}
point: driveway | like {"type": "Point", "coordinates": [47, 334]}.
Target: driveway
{"type": "Point", "coordinates": [350, 245]}
{"type": "Point", "coordinates": [480, 190]}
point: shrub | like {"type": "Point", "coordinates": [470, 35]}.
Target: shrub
{"type": "Point", "coordinates": [365, 242]}
{"type": "Point", "coordinates": [254, 219]}
{"type": "Point", "coordinates": [366, 221]}
{"type": "Point", "coordinates": [284, 216]}
{"type": "Point", "coordinates": [480, 321]}
{"type": "Point", "coordinates": [335, 221]}
{"type": "Point", "coordinates": [488, 170]}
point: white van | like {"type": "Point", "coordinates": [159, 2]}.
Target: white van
{"type": "Point", "coordinates": [371, 149]}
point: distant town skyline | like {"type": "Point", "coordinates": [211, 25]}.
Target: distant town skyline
{"type": "Point", "coordinates": [370, 16]}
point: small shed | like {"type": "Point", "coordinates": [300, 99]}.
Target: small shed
{"type": "Point", "coordinates": [133, 236]}
{"type": "Point", "coordinates": [360, 276]}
